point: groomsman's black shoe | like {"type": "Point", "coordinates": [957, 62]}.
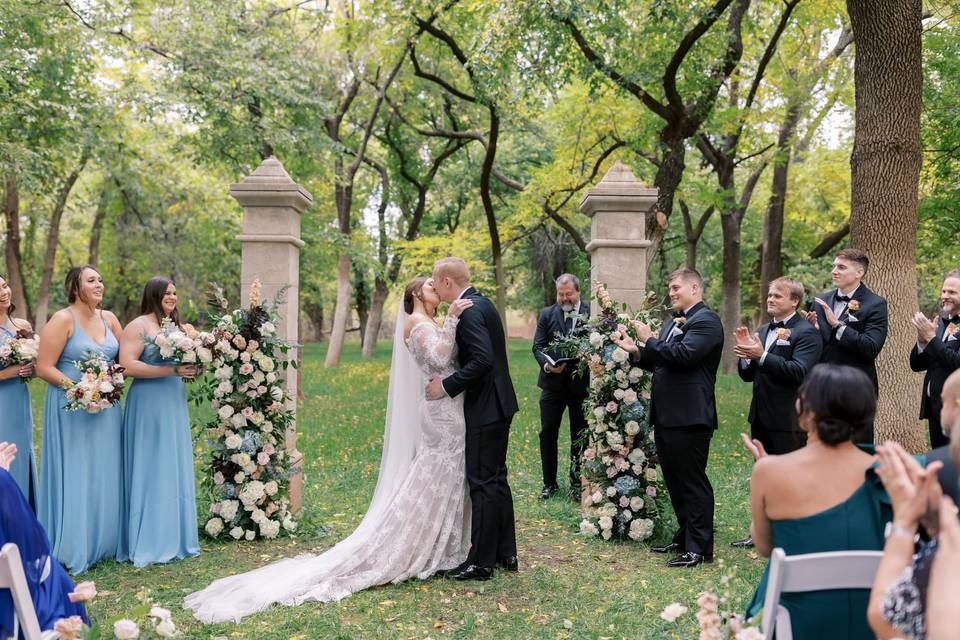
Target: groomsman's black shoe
{"type": "Point", "coordinates": [472, 572]}
{"type": "Point", "coordinates": [746, 543]}
{"type": "Point", "coordinates": [547, 491]}
{"type": "Point", "coordinates": [508, 564]}
{"type": "Point", "coordinates": [667, 548]}
{"type": "Point", "coordinates": [689, 559]}
{"type": "Point", "coordinates": [446, 573]}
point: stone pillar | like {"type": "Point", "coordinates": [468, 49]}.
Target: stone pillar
{"type": "Point", "coordinates": [272, 203]}
{"type": "Point", "coordinates": [618, 247]}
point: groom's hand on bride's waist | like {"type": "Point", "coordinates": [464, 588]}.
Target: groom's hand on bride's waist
{"type": "Point", "coordinates": [435, 389]}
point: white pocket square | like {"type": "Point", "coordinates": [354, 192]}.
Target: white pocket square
{"type": "Point", "coordinates": [783, 343]}
{"type": "Point", "coordinates": [852, 318]}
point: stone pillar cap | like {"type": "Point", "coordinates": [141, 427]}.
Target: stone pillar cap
{"type": "Point", "coordinates": [620, 189]}
{"type": "Point", "coordinates": [270, 178]}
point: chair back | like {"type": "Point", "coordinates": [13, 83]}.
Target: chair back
{"type": "Point", "coordinates": [13, 578]}
{"type": "Point", "coordinates": [812, 572]}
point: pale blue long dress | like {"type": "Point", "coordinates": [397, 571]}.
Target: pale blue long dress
{"type": "Point", "coordinates": [82, 472]}
{"type": "Point", "coordinates": [16, 426]}
{"type": "Point", "coordinates": [160, 510]}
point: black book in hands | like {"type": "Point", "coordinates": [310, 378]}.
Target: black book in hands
{"type": "Point", "coordinates": [556, 362]}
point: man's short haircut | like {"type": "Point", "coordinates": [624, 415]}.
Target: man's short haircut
{"type": "Point", "coordinates": [687, 275]}
{"type": "Point", "coordinates": [453, 268]}
{"type": "Point", "coordinates": [855, 255]}
{"type": "Point", "coordinates": [793, 287]}
{"type": "Point", "coordinates": [953, 273]}
{"type": "Point", "coordinates": [568, 278]}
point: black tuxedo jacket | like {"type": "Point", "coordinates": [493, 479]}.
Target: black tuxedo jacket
{"type": "Point", "coordinates": [775, 382]}
{"type": "Point", "coordinates": [948, 474]}
{"type": "Point", "coordinates": [551, 325]}
{"type": "Point", "coordinates": [939, 359]}
{"type": "Point", "coordinates": [484, 374]}
{"type": "Point", "coordinates": [864, 336]}
{"type": "Point", "coordinates": [685, 370]}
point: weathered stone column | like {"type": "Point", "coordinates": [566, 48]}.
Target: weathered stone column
{"type": "Point", "coordinates": [272, 203]}
{"type": "Point", "coordinates": [618, 245]}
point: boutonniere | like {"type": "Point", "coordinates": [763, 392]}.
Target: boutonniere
{"type": "Point", "coordinates": [783, 333]}
{"type": "Point", "coordinates": [951, 329]}
{"type": "Point", "coordinates": [853, 306]}
{"type": "Point", "coordinates": [680, 321]}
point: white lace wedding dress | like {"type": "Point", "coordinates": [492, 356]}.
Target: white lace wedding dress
{"type": "Point", "coordinates": [418, 522]}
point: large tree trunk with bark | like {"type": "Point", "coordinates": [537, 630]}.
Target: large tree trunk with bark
{"type": "Point", "coordinates": [53, 239]}
{"type": "Point", "coordinates": [885, 170]}
{"type": "Point", "coordinates": [730, 222]}
{"type": "Point", "coordinates": [375, 317]}
{"type": "Point", "coordinates": [14, 274]}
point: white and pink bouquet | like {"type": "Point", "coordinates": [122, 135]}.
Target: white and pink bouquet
{"type": "Point", "coordinates": [183, 346]}
{"type": "Point", "coordinates": [21, 349]}
{"type": "Point", "coordinates": [99, 387]}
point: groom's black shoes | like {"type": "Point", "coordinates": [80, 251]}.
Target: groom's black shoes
{"type": "Point", "coordinates": [667, 548]}
{"type": "Point", "coordinates": [472, 572]}
{"type": "Point", "coordinates": [547, 491]}
{"type": "Point", "coordinates": [689, 559]}
{"type": "Point", "coordinates": [508, 564]}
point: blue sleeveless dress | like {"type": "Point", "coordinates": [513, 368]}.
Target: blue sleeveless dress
{"type": "Point", "coordinates": [160, 510]}
{"type": "Point", "coordinates": [81, 476]}
{"type": "Point", "coordinates": [17, 427]}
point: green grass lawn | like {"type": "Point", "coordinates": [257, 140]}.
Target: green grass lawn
{"type": "Point", "coordinates": [607, 590]}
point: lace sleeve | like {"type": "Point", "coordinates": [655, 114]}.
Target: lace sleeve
{"type": "Point", "coordinates": [436, 347]}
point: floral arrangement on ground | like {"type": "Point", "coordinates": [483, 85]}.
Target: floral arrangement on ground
{"type": "Point", "coordinates": [619, 468]}
{"type": "Point", "coordinates": [249, 468]}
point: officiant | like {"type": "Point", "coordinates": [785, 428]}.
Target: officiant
{"type": "Point", "coordinates": [561, 389]}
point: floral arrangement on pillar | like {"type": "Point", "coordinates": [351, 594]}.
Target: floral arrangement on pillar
{"type": "Point", "coordinates": [249, 469]}
{"type": "Point", "coordinates": [619, 468]}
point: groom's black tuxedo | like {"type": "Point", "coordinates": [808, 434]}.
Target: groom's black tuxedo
{"type": "Point", "coordinates": [775, 382]}
{"type": "Point", "coordinates": [683, 412]}
{"type": "Point", "coordinates": [488, 406]}
{"type": "Point", "coordinates": [939, 359]}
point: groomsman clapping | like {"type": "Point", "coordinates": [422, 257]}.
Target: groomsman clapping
{"type": "Point", "coordinates": [938, 353]}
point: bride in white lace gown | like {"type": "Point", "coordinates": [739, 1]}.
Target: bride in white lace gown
{"type": "Point", "coordinates": [418, 522]}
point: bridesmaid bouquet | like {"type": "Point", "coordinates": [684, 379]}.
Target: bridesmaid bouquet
{"type": "Point", "coordinates": [20, 350]}
{"type": "Point", "coordinates": [99, 387]}
{"type": "Point", "coordinates": [183, 346]}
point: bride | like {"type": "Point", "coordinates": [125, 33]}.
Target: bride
{"type": "Point", "coordinates": [418, 522]}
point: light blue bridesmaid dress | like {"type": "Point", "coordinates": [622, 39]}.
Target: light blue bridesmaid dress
{"type": "Point", "coordinates": [17, 427]}
{"type": "Point", "coordinates": [160, 511]}
{"type": "Point", "coordinates": [81, 472]}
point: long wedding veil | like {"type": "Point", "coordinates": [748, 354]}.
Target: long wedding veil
{"type": "Point", "coordinates": [294, 580]}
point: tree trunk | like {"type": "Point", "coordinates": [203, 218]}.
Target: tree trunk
{"type": "Point", "coordinates": [669, 175]}
{"type": "Point", "coordinates": [14, 275]}
{"type": "Point", "coordinates": [375, 318]}
{"type": "Point", "coordinates": [885, 172]}
{"type": "Point", "coordinates": [97, 227]}
{"type": "Point", "coordinates": [53, 239]}
{"type": "Point", "coordinates": [341, 311]}
{"type": "Point", "coordinates": [730, 222]}
{"type": "Point", "coordinates": [495, 247]}
{"type": "Point", "coordinates": [361, 299]}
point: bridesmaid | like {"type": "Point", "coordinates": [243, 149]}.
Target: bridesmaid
{"type": "Point", "coordinates": [17, 424]}
{"type": "Point", "coordinates": [80, 481]}
{"type": "Point", "coordinates": [160, 512]}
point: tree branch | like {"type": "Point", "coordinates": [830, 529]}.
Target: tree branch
{"type": "Point", "coordinates": [831, 240]}
{"type": "Point", "coordinates": [686, 44]}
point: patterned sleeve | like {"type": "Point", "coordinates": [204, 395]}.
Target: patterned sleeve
{"type": "Point", "coordinates": [435, 345]}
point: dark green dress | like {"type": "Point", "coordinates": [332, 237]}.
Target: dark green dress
{"type": "Point", "coordinates": [855, 524]}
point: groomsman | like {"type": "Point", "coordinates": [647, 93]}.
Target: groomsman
{"type": "Point", "coordinates": [852, 320]}
{"type": "Point", "coordinates": [560, 388]}
{"type": "Point", "coordinates": [938, 353]}
{"type": "Point", "coordinates": [776, 360]}
{"type": "Point", "coordinates": [684, 360]}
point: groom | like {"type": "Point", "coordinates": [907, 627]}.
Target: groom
{"type": "Point", "coordinates": [488, 408]}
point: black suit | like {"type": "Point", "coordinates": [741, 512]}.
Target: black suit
{"type": "Point", "coordinates": [947, 476]}
{"type": "Point", "coordinates": [775, 382]}
{"type": "Point", "coordinates": [683, 412]}
{"type": "Point", "coordinates": [488, 407]}
{"type": "Point", "coordinates": [559, 392]}
{"type": "Point", "coordinates": [939, 359]}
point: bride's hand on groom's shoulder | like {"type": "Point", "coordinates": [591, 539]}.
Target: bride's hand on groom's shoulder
{"type": "Point", "coordinates": [459, 306]}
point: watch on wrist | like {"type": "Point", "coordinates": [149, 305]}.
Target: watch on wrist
{"type": "Point", "coordinates": [895, 529]}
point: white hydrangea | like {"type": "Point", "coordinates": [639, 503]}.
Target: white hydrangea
{"type": "Point", "coordinates": [619, 355]}
{"type": "Point", "coordinates": [611, 491]}
{"type": "Point", "coordinates": [641, 529]}
{"type": "Point", "coordinates": [596, 340]}
{"type": "Point", "coordinates": [269, 529]}
{"type": "Point", "coordinates": [228, 509]}
{"type": "Point", "coordinates": [637, 456]}
{"type": "Point", "coordinates": [587, 528]}
{"type": "Point", "coordinates": [606, 522]}
{"type": "Point", "coordinates": [271, 488]}
{"type": "Point", "coordinates": [213, 527]}
{"type": "Point", "coordinates": [251, 493]}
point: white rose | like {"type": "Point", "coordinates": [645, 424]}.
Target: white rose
{"type": "Point", "coordinates": [641, 528]}
{"type": "Point", "coordinates": [596, 497]}
{"type": "Point", "coordinates": [236, 533]}
{"type": "Point", "coordinates": [159, 613]}
{"type": "Point", "coordinates": [637, 456]}
{"type": "Point", "coordinates": [166, 629]}
{"type": "Point", "coordinates": [607, 534]}
{"type": "Point", "coordinates": [204, 355]}
{"type": "Point", "coordinates": [250, 534]}
{"type": "Point", "coordinates": [238, 420]}
{"type": "Point", "coordinates": [271, 377]}
{"type": "Point", "coordinates": [618, 394]}
{"type": "Point", "coordinates": [214, 527]}
{"type": "Point", "coordinates": [223, 373]}
{"type": "Point", "coordinates": [189, 357]}
{"type": "Point", "coordinates": [635, 373]}
{"type": "Point", "coordinates": [105, 387]}
{"type": "Point", "coordinates": [240, 477]}
{"type": "Point", "coordinates": [244, 357]}
{"type": "Point", "coordinates": [266, 364]}
{"type": "Point", "coordinates": [596, 340]}
{"type": "Point", "coordinates": [232, 441]}
{"type": "Point", "coordinates": [289, 524]}
{"type": "Point", "coordinates": [673, 611]}
{"type": "Point", "coordinates": [636, 503]}
{"type": "Point", "coordinates": [651, 474]}
{"type": "Point", "coordinates": [632, 428]}
{"type": "Point", "coordinates": [269, 529]}
{"type": "Point", "coordinates": [126, 629]}
{"type": "Point", "coordinates": [627, 515]}
{"type": "Point", "coordinates": [258, 515]}
{"type": "Point", "coordinates": [587, 528]}
{"type": "Point", "coordinates": [605, 522]}
{"type": "Point", "coordinates": [619, 355]}
{"type": "Point", "coordinates": [225, 412]}
{"type": "Point", "coordinates": [611, 491]}
{"type": "Point", "coordinates": [271, 488]}
{"type": "Point", "coordinates": [251, 493]}
{"type": "Point", "coordinates": [266, 427]}
{"type": "Point", "coordinates": [629, 395]}
{"type": "Point", "coordinates": [609, 510]}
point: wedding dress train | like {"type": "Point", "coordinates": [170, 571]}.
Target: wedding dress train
{"type": "Point", "coordinates": [418, 522]}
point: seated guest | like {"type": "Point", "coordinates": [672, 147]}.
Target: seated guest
{"type": "Point", "coordinates": [823, 497]}
{"type": "Point", "coordinates": [899, 596]}
{"type": "Point", "coordinates": [945, 576]}
{"type": "Point", "coordinates": [51, 589]}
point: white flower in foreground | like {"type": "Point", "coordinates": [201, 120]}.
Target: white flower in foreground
{"type": "Point", "coordinates": [250, 535]}
{"type": "Point", "coordinates": [619, 355]}
{"type": "Point", "coordinates": [673, 611]}
{"type": "Point", "coordinates": [166, 629]}
{"type": "Point", "coordinates": [587, 528]}
{"type": "Point", "coordinates": [596, 340]}
{"type": "Point", "coordinates": [236, 533]}
{"type": "Point", "coordinates": [213, 527]}
{"type": "Point", "coordinates": [159, 613]}
{"type": "Point", "coordinates": [126, 629]}
{"type": "Point", "coordinates": [749, 633]}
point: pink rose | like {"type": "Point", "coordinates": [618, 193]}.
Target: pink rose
{"type": "Point", "coordinates": [589, 454]}
{"type": "Point", "coordinates": [611, 407]}
{"type": "Point", "coordinates": [263, 458]}
{"type": "Point", "coordinates": [69, 628]}
{"type": "Point", "coordinates": [247, 412]}
{"type": "Point", "coordinates": [215, 404]}
{"type": "Point", "coordinates": [652, 491]}
{"type": "Point", "coordinates": [216, 506]}
{"type": "Point", "coordinates": [595, 359]}
{"type": "Point", "coordinates": [611, 471]}
{"type": "Point", "coordinates": [83, 592]}
{"type": "Point", "coordinates": [268, 448]}
{"type": "Point", "coordinates": [271, 508]}
{"type": "Point", "coordinates": [624, 451]}
{"type": "Point", "coordinates": [624, 502]}
{"type": "Point", "coordinates": [246, 369]}
{"type": "Point", "coordinates": [261, 390]}
{"type": "Point", "coordinates": [218, 478]}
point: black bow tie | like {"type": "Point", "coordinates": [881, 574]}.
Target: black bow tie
{"type": "Point", "coordinates": [677, 314]}
{"type": "Point", "coordinates": [841, 298]}
{"type": "Point", "coordinates": [776, 325]}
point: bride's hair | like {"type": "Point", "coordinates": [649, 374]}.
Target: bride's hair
{"type": "Point", "coordinates": [412, 291]}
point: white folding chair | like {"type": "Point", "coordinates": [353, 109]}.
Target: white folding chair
{"type": "Point", "coordinates": [812, 572]}
{"type": "Point", "coordinates": [12, 578]}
